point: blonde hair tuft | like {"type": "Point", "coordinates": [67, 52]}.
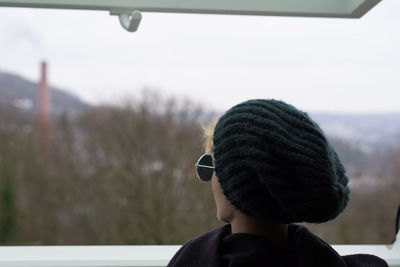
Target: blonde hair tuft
{"type": "Point", "coordinates": [208, 133]}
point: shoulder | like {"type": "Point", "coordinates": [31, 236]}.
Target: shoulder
{"type": "Point", "coordinates": [311, 249]}
{"type": "Point", "coordinates": [361, 260]}
{"type": "Point", "coordinates": [210, 238]}
{"type": "Point", "coordinates": [193, 250]}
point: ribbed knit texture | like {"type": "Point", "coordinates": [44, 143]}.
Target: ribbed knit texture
{"type": "Point", "coordinates": [273, 161]}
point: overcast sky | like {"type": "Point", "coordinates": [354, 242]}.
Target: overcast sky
{"type": "Point", "coordinates": [219, 60]}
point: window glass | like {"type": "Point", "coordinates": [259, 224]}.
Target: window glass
{"type": "Point", "coordinates": [105, 153]}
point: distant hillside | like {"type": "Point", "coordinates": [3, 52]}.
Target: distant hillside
{"type": "Point", "coordinates": [367, 130]}
{"type": "Point", "coordinates": [362, 140]}
{"type": "Point", "coordinates": [19, 92]}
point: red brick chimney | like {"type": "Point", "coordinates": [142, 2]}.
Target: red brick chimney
{"type": "Point", "coordinates": [43, 101]}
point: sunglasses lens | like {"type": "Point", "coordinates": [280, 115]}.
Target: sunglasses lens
{"type": "Point", "coordinates": [205, 160]}
{"type": "Point", "coordinates": [205, 168]}
{"type": "Point", "coordinates": [205, 174]}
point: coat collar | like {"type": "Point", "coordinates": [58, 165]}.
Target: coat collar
{"type": "Point", "coordinates": [309, 251]}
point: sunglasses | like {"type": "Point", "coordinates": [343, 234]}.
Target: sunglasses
{"type": "Point", "coordinates": [205, 167]}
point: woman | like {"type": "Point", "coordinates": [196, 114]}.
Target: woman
{"type": "Point", "coordinates": [270, 166]}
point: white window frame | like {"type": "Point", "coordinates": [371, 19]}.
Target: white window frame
{"type": "Point", "coordinates": [324, 8]}
{"type": "Point", "coordinates": [157, 256]}
{"type": "Point", "coordinates": [129, 10]}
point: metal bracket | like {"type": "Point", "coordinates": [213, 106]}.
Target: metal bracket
{"type": "Point", "coordinates": [130, 22]}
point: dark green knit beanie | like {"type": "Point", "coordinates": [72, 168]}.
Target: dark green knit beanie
{"type": "Point", "coordinates": [273, 161]}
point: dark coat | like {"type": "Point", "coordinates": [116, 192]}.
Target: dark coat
{"type": "Point", "coordinates": [220, 248]}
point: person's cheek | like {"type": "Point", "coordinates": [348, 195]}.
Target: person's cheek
{"type": "Point", "coordinates": [225, 210]}
{"type": "Point", "coordinates": [214, 188]}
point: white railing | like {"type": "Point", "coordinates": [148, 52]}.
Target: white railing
{"type": "Point", "coordinates": [140, 256]}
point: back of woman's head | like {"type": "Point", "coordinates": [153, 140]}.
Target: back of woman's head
{"type": "Point", "coordinates": [274, 162]}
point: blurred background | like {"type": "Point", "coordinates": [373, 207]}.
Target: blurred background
{"type": "Point", "coordinates": [100, 128]}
